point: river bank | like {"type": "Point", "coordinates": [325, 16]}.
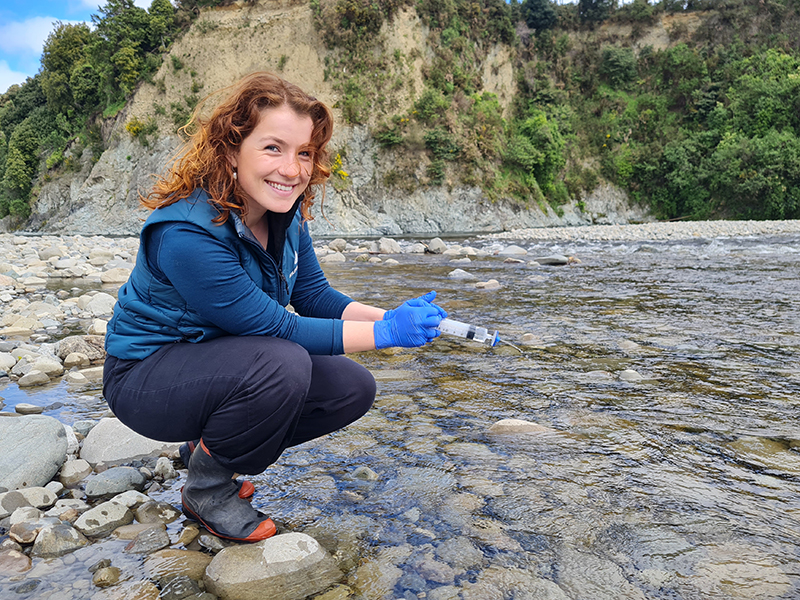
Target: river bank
{"type": "Point", "coordinates": [658, 231]}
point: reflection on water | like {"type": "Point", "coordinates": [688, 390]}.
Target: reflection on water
{"type": "Point", "coordinates": [682, 484]}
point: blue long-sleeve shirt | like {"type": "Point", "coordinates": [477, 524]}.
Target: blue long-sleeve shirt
{"type": "Point", "coordinates": [195, 280]}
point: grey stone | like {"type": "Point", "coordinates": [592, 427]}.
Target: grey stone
{"type": "Point", "coordinates": [630, 376]}
{"type": "Point", "coordinates": [11, 501]}
{"type": "Point", "coordinates": [132, 499]}
{"type": "Point", "coordinates": [156, 512]}
{"type": "Point", "coordinates": [461, 274]}
{"type": "Point", "coordinates": [555, 260]}
{"type": "Point", "coordinates": [111, 442]}
{"type": "Point", "coordinates": [32, 450]}
{"type": "Point", "coordinates": [290, 566]}
{"type": "Point", "coordinates": [74, 471]}
{"type": "Point", "coordinates": [164, 565]}
{"type": "Point", "coordinates": [57, 540]}
{"type": "Point", "coordinates": [33, 378]}
{"type": "Point", "coordinates": [24, 408]}
{"type": "Point", "coordinates": [103, 519]}
{"type": "Point", "coordinates": [334, 257]}
{"type": "Point", "coordinates": [338, 245]}
{"type": "Point", "coordinates": [39, 497]}
{"type": "Point", "coordinates": [519, 426]}
{"type": "Point", "coordinates": [179, 588]}
{"type": "Point", "coordinates": [512, 250]}
{"type": "Point", "coordinates": [436, 246]}
{"type": "Point", "coordinates": [83, 427]}
{"type": "Point", "coordinates": [164, 469]}
{"type": "Point", "coordinates": [91, 346]}
{"type": "Point", "coordinates": [388, 246]}
{"type": "Point", "coordinates": [106, 577]}
{"type": "Point", "coordinates": [101, 304]}
{"type": "Point", "coordinates": [114, 481]}
{"type": "Point", "coordinates": [460, 553]}
{"type": "Point", "coordinates": [150, 540]}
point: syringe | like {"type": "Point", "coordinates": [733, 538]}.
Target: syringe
{"type": "Point", "coordinates": [464, 330]}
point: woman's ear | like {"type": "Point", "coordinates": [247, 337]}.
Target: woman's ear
{"type": "Point", "coordinates": [232, 160]}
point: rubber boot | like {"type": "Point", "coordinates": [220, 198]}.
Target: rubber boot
{"type": "Point", "coordinates": [211, 497]}
{"type": "Point", "coordinates": [246, 488]}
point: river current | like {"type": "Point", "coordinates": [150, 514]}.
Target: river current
{"type": "Point", "coordinates": [669, 373]}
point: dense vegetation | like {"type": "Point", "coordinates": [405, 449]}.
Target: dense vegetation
{"type": "Point", "coordinates": [708, 127]}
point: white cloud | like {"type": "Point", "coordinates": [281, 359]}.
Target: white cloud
{"type": "Point", "coordinates": [26, 36]}
{"type": "Point", "coordinates": [95, 4]}
{"type": "Point", "coordinates": [9, 77]}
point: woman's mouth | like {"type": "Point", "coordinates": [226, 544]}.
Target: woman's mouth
{"type": "Point", "coordinates": [281, 187]}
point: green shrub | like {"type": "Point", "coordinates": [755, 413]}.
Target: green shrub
{"type": "Point", "coordinates": [430, 106]}
{"type": "Point", "coordinates": [618, 66]}
{"type": "Point", "coordinates": [441, 144]}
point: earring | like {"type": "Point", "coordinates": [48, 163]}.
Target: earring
{"type": "Point", "coordinates": [235, 176]}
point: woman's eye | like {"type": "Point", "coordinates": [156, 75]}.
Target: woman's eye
{"type": "Point", "coordinates": [305, 154]}
{"type": "Point", "coordinates": [271, 148]}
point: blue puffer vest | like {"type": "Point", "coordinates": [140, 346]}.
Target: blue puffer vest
{"type": "Point", "coordinates": [150, 313]}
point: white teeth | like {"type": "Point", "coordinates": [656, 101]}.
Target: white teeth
{"type": "Point", "coordinates": [283, 188]}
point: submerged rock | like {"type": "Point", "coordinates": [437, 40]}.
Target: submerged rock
{"type": "Point", "coordinates": [519, 426]}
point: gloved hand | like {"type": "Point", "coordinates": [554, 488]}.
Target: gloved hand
{"type": "Point", "coordinates": [411, 324]}
{"type": "Point", "coordinates": [421, 301]}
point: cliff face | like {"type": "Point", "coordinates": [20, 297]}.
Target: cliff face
{"type": "Point", "coordinates": [280, 36]}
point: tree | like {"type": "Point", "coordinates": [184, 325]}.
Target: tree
{"type": "Point", "coordinates": [65, 47]}
{"type": "Point", "coordinates": [595, 10]}
{"type": "Point", "coordinates": [618, 66]}
{"type": "Point", "coordinates": [539, 14]}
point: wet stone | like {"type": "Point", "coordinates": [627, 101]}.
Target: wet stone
{"type": "Point", "coordinates": [180, 587]}
{"type": "Point", "coordinates": [156, 512]}
{"type": "Point", "coordinates": [27, 586]}
{"type": "Point", "coordinates": [150, 540]}
{"type": "Point", "coordinates": [13, 562]}
{"type": "Point", "coordinates": [29, 409]}
{"type": "Point", "coordinates": [100, 564]}
{"type": "Point", "coordinates": [24, 533]}
{"type": "Point", "coordinates": [129, 532]}
{"type": "Point", "coordinates": [460, 553]}
{"type": "Point", "coordinates": [58, 540]}
{"type": "Point", "coordinates": [106, 577]}
{"type": "Point", "coordinates": [163, 565]}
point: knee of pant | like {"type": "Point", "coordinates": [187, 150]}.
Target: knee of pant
{"type": "Point", "coordinates": [367, 389]}
{"type": "Point", "coordinates": [289, 362]}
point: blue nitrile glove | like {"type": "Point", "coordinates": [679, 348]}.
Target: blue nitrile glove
{"type": "Point", "coordinates": [421, 301]}
{"type": "Point", "coordinates": [411, 324]}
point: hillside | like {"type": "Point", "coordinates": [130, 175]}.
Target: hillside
{"type": "Point", "coordinates": [457, 121]}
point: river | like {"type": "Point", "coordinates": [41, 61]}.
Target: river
{"type": "Point", "coordinates": [670, 374]}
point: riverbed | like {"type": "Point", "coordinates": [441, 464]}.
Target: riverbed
{"type": "Point", "coordinates": [668, 371]}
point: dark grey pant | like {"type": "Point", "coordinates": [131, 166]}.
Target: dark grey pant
{"type": "Point", "coordinates": [248, 397]}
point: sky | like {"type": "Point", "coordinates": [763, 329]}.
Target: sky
{"type": "Point", "coordinates": [25, 25]}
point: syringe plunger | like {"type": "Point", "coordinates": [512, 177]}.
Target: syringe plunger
{"type": "Point", "coordinates": [470, 332]}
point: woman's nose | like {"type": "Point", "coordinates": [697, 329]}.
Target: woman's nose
{"type": "Point", "coordinates": [290, 168]}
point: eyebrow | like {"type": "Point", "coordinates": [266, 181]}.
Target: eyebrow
{"type": "Point", "coordinates": [271, 138]}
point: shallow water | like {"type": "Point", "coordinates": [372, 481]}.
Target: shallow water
{"type": "Point", "coordinates": [682, 485]}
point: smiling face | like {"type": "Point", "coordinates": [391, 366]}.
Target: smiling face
{"type": "Point", "coordinates": [274, 162]}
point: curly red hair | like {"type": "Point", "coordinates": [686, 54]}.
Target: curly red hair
{"type": "Point", "coordinates": [203, 162]}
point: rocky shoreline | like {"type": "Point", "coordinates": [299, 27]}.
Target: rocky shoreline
{"type": "Point", "coordinates": [91, 495]}
{"type": "Point", "coordinates": [657, 231]}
